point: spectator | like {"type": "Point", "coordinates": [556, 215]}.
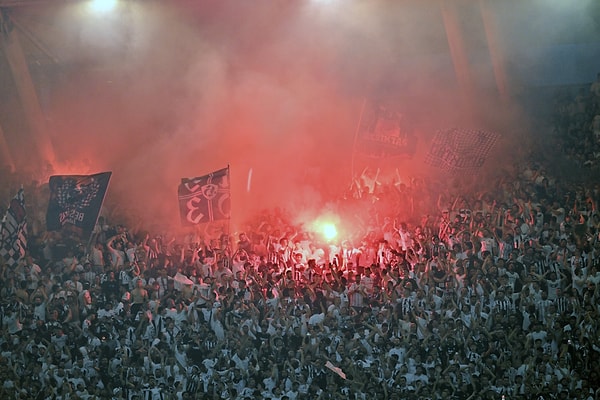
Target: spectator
{"type": "Point", "coordinates": [441, 307]}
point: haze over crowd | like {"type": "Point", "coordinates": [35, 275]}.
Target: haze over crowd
{"type": "Point", "coordinates": [159, 92]}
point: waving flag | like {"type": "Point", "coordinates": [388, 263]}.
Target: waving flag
{"type": "Point", "coordinates": [75, 202]}
{"type": "Point", "coordinates": [460, 149]}
{"type": "Point", "coordinates": [205, 198]}
{"type": "Point", "coordinates": [382, 132]}
{"type": "Point", "coordinates": [13, 232]}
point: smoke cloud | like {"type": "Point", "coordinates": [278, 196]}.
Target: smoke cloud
{"type": "Point", "coordinates": [166, 90]}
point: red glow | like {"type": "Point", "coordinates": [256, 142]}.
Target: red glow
{"type": "Point", "coordinates": [283, 115]}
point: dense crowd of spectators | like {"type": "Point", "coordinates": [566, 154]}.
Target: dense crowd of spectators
{"type": "Point", "coordinates": [576, 123]}
{"type": "Point", "coordinates": [489, 295]}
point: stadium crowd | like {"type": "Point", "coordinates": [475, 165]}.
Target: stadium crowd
{"type": "Point", "coordinates": [487, 295]}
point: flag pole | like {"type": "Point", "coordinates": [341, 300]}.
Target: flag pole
{"type": "Point", "coordinates": [94, 235]}
{"type": "Point", "coordinates": [230, 185]}
{"type": "Point", "coordinates": [362, 110]}
{"type": "Point", "coordinates": [230, 258]}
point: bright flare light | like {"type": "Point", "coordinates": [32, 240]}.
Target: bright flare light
{"type": "Point", "coordinates": [329, 231]}
{"type": "Point", "coordinates": [102, 6]}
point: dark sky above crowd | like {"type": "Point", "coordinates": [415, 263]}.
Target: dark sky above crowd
{"type": "Point", "coordinates": [158, 91]}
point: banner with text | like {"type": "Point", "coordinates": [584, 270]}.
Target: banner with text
{"type": "Point", "coordinates": [75, 203]}
{"type": "Point", "coordinates": [383, 132]}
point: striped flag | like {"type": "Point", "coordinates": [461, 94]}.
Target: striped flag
{"type": "Point", "coordinates": [462, 150]}
{"type": "Point", "coordinates": [13, 233]}
{"type": "Point", "coordinates": [205, 198]}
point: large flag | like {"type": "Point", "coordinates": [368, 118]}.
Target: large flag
{"type": "Point", "coordinates": [462, 150]}
{"type": "Point", "coordinates": [382, 132]}
{"type": "Point", "coordinates": [205, 198]}
{"type": "Point", "coordinates": [13, 233]}
{"type": "Point", "coordinates": [75, 203]}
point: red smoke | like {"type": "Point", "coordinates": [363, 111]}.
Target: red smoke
{"type": "Point", "coordinates": [166, 90]}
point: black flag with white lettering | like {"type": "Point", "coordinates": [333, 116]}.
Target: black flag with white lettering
{"type": "Point", "coordinates": [205, 198]}
{"type": "Point", "coordinates": [75, 203]}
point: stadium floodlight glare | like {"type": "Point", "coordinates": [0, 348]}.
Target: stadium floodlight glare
{"type": "Point", "coordinates": [102, 6]}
